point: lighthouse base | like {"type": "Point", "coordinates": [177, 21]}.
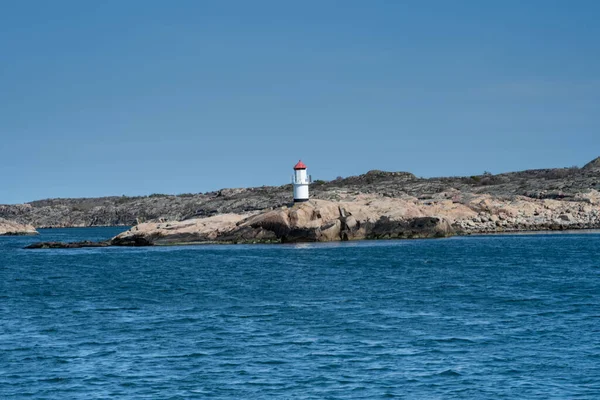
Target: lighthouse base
{"type": "Point", "coordinates": [300, 200]}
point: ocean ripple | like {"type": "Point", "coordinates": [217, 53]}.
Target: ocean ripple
{"type": "Point", "coordinates": [472, 317]}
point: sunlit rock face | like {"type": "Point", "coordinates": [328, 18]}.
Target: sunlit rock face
{"type": "Point", "coordinates": [8, 228]}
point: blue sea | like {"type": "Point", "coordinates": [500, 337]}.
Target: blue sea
{"type": "Point", "coordinates": [482, 317]}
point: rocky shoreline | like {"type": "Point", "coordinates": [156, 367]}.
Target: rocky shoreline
{"type": "Point", "coordinates": [366, 217]}
{"type": "Point", "coordinates": [370, 206]}
{"type": "Point", "coordinates": [374, 217]}
{"type": "Point", "coordinates": [564, 184]}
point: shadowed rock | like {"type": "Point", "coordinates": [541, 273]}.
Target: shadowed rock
{"type": "Point", "coordinates": [418, 228]}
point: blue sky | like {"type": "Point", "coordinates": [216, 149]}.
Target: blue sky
{"type": "Point", "coordinates": [140, 97]}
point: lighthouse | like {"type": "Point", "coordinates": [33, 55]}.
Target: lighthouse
{"type": "Point", "coordinates": [300, 180]}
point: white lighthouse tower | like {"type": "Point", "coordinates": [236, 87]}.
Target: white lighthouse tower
{"type": "Point", "coordinates": [300, 180]}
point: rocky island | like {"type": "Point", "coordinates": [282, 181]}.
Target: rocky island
{"type": "Point", "coordinates": [375, 205]}
{"type": "Point", "coordinates": [312, 221]}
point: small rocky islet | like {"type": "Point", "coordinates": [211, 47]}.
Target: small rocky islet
{"type": "Point", "coordinates": [376, 205]}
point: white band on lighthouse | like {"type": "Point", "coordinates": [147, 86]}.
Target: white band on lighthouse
{"type": "Point", "coordinates": [300, 181]}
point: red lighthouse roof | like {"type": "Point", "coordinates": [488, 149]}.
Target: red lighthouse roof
{"type": "Point", "coordinates": [300, 165]}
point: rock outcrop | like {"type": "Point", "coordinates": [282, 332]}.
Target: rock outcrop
{"type": "Point", "coordinates": [202, 230]}
{"type": "Point", "coordinates": [312, 221]}
{"type": "Point", "coordinates": [11, 228]}
{"type": "Point", "coordinates": [368, 217]}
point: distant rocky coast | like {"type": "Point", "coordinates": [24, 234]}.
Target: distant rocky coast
{"type": "Point", "coordinates": [371, 206]}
